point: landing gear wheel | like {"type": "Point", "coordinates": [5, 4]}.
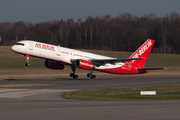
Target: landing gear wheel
{"type": "Point", "coordinates": [71, 74]}
{"type": "Point", "coordinates": [27, 64]}
{"type": "Point", "coordinates": [88, 75]}
{"type": "Point", "coordinates": [91, 76]}
{"type": "Point", "coordinates": [73, 68]}
{"type": "Point", "coordinates": [75, 76]}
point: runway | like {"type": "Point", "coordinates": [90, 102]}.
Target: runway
{"type": "Point", "coordinates": [47, 102]}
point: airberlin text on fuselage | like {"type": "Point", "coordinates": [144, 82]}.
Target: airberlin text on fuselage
{"type": "Point", "coordinates": [142, 50]}
{"type": "Point", "coordinates": [44, 46]}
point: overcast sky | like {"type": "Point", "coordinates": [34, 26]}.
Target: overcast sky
{"type": "Point", "coordinates": [37, 11]}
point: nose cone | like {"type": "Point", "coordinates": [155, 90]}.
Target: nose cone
{"type": "Point", "coordinates": [12, 48]}
{"type": "Point", "coordinates": [15, 48]}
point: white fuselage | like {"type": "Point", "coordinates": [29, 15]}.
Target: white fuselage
{"type": "Point", "coordinates": [58, 53]}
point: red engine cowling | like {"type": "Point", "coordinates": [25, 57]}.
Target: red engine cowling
{"type": "Point", "coordinates": [53, 64]}
{"type": "Point", "coordinates": [83, 64]}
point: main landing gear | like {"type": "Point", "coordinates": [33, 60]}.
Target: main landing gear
{"type": "Point", "coordinates": [73, 74]}
{"type": "Point", "coordinates": [27, 60]}
{"type": "Point", "coordinates": [90, 75]}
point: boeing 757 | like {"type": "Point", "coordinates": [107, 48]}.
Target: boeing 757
{"type": "Point", "coordinates": [56, 57]}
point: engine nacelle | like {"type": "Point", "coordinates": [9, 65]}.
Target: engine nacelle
{"type": "Point", "coordinates": [53, 64]}
{"type": "Point", "coordinates": [83, 64]}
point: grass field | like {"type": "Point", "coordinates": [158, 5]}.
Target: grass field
{"type": "Point", "coordinates": [12, 66]}
{"type": "Point", "coordinates": [163, 92]}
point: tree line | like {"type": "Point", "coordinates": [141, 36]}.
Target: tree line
{"type": "Point", "coordinates": [125, 32]}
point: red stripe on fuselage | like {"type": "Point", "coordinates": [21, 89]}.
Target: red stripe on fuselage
{"type": "Point", "coordinates": [123, 70]}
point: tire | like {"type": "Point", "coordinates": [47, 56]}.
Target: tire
{"type": "Point", "coordinates": [75, 76]}
{"type": "Point", "coordinates": [71, 74]}
{"type": "Point", "coordinates": [88, 75]}
{"type": "Point", "coordinates": [93, 77]}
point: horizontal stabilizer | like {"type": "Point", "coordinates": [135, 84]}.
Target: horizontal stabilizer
{"type": "Point", "coordinates": [151, 68]}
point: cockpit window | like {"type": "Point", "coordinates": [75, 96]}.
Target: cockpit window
{"type": "Point", "coordinates": [20, 44]}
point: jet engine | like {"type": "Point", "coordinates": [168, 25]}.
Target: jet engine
{"type": "Point", "coordinates": [83, 64]}
{"type": "Point", "coordinates": [53, 64]}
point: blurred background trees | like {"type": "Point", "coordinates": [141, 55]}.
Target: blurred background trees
{"type": "Point", "coordinates": [125, 32]}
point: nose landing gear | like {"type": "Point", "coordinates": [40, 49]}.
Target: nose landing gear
{"type": "Point", "coordinates": [27, 60]}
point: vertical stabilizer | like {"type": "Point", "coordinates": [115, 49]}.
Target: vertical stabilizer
{"type": "Point", "coordinates": [142, 52]}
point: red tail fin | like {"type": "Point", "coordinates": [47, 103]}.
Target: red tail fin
{"type": "Point", "coordinates": [142, 52]}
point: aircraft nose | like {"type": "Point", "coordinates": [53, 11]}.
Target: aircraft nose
{"type": "Point", "coordinates": [13, 48]}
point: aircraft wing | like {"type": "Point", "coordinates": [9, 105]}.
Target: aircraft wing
{"type": "Point", "coordinates": [99, 62]}
{"type": "Point", "coordinates": [151, 68]}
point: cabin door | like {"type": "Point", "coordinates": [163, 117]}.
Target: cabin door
{"type": "Point", "coordinates": [31, 45]}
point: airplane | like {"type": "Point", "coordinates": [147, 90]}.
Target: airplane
{"type": "Point", "coordinates": [56, 57]}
